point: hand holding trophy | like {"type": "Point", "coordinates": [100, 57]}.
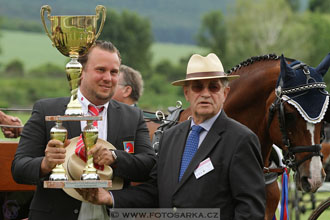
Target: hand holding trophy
{"type": "Point", "coordinates": [58, 132]}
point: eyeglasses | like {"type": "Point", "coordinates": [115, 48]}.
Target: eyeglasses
{"type": "Point", "coordinates": [199, 87]}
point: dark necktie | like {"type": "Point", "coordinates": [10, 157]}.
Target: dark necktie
{"type": "Point", "coordinates": [190, 149]}
{"type": "Point", "coordinates": [80, 147]}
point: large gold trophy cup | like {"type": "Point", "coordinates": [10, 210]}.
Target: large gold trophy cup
{"type": "Point", "coordinates": [73, 36]}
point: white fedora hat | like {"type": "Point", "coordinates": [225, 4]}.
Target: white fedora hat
{"type": "Point", "coordinates": [74, 168]}
{"type": "Point", "coordinates": [199, 67]}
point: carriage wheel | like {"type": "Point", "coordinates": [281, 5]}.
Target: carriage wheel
{"type": "Point", "coordinates": [320, 209]}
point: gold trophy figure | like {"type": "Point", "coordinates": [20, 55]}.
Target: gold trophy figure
{"type": "Point", "coordinates": [90, 136]}
{"type": "Point", "coordinates": [58, 132]}
{"type": "Point", "coordinates": [73, 36]}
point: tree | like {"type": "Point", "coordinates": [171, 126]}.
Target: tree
{"type": "Point", "coordinates": [322, 6]}
{"type": "Point", "coordinates": [213, 33]}
{"type": "Point", "coordinates": [319, 38]}
{"type": "Point", "coordinates": [132, 35]}
{"type": "Point", "coordinates": [0, 29]}
{"type": "Point", "coordinates": [47, 70]}
{"type": "Point", "coordinates": [294, 4]}
{"type": "Point", "coordinates": [256, 28]}
{"type": "Point", "coordinates": [14, 68]}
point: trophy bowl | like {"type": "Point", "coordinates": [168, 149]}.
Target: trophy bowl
{"type": "Point", "coordinates": [73, 36]}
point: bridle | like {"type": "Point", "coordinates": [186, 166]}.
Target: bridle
{"type": "Point", "coordinates": [289, 150]}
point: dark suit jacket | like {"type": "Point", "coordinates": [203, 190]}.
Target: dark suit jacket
{"type": "Point", "coordinates": [125, 123]}
{"type": "Point", "coordinates": [236, 185]}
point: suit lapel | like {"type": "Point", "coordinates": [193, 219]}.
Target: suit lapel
{"type": "Point", "coordinates": [210, 141]}
{"type": "Point", "coordinates": [178, 151]}
{"type": "Point", "coordinates": [114, 118]}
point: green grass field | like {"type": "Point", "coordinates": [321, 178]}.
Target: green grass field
{"type": "Point", "coordinates": [34, 49]}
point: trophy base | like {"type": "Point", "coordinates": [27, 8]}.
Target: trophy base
{"type": "Point", "coordinates": [90, 176]}
{"type": "Point", "coordinates": [78, 184]}
{"type": "Point", "coordinates": [58, 177]}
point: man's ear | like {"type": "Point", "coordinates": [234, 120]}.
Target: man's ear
{"type": "Point", "coordinates": [185, 92]}
{"type": "Point", "coordinates": [226, 92]}
{"type": "Point", "coordinates": [127, 91]}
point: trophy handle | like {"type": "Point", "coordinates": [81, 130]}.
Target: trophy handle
{"type": "Point", "coordinates": [42, 14]}
{"type": "Point", "coordinates": [100, 9]}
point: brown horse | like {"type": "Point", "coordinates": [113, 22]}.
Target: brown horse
{"type": "Point", "coordinates": [254, 101]}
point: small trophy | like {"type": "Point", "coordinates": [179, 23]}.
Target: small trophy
{"type": "Point", "coordinates": [89, 136]}
{"type": "Point", "coordinates": [73, 36]}
{"type": "Point", "coordinates": [58, 132]}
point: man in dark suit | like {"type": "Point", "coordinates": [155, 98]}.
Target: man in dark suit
{"type": "Point", "coordinates": [211, 161]}
{"type": "Point", "coordinates": [122, 125]}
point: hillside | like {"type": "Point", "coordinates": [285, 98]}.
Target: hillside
{"type": "Point", "coordinates": [172, 20]}
{"type": "Point", "coordinates": [20, 45]}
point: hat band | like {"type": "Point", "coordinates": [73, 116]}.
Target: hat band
{"type": "Point", "coordinates": [205, 74]}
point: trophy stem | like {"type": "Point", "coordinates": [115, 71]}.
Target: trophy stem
{"type": "Point", "coordinates": [90, 136]}
{"type": "Point", "coordinates": [58, 132]}
{"type": "Point", "coordinates": [73, 73]}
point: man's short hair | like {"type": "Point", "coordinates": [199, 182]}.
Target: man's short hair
{"type": "Point", "coordinates": [225, 82]}
{"type": "Point", "coordinates": [105, 45]}
{"type": "Point", "coordinates": [132, 78]}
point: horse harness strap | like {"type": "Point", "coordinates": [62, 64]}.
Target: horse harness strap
{"type": "Point", "coordinates": [273, 170]}
{"type": "Point", "coordinates": [314, 149]}
{"type": "Point", "coordinates": [171, 120]}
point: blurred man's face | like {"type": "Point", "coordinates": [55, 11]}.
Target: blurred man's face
{"type": "Point", "coordinates": [120, 89]}
{"type": "Point", "coordinates": [206, 98]}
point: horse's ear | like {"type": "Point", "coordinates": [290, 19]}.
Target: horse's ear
{"type": "Point", "coordinates": [286, 71]}
{"type": "Point", "coordinates": [323, 67]}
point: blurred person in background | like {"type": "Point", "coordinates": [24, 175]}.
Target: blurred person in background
{"type": "Point", "coordinates": [10, 132]}
{"type": "Point", "coordinates": [130, 86]}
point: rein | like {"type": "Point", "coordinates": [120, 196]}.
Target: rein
{"type": "Point", "coordinates": [289, 151]}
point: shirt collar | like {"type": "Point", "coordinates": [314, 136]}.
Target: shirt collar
{"type": "Point", "coordinates": [207, 124]}
{"type": "Point", "coordinates": [85, 103]}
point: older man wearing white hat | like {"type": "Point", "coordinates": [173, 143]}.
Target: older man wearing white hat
{"type": "Point", "coordinates": [210, 161]}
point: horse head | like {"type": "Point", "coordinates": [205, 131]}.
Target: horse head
{"type": "Point", "coordinates": [300, 105]}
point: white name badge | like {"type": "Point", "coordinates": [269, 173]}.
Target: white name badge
{"type": "Point", "coordinates": [204, 167]}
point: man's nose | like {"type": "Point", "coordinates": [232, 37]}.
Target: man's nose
{"type": "Point", "coordinates": [107, 76]}
{"type": "Point", "coordinates": [205, 91]}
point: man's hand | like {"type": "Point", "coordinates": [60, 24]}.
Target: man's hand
{"type": "Point", "coordinates": [54, 154]}
{"type": "Point", "coordinates": [101, 155]}
{"type": "Point", "coordinates": [98, 196]}
{"type": "Point", "coordinates": [10, 120]}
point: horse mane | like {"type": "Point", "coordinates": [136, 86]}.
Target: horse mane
{"type": "Point", "coordinates": [254, 59]}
